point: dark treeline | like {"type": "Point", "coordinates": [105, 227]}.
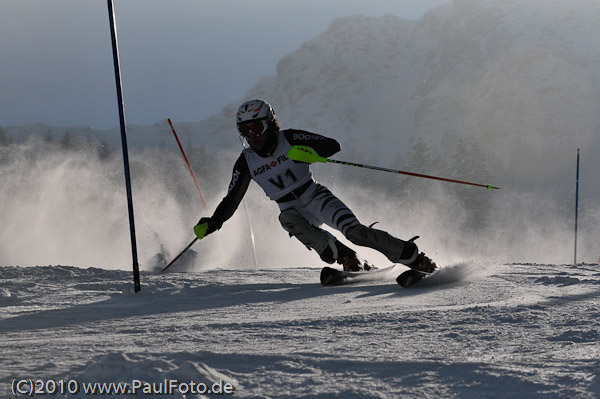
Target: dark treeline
{"type": "Point", "coordinates": [67, 142]}
{"type": "Point", "coordinates": [454, 211]}
{"type": "Point", "coordinates": [465, 161]}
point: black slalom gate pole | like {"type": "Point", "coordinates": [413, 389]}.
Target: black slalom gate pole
{"type": "Point", "coordinates": [576, 208]}
{"type": "Point", "coordinates": [113, 33]}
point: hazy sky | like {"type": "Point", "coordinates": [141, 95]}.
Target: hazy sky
{"type": "Point", "coordinates": [182, 59]}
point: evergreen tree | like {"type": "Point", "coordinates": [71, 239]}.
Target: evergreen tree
{"type": "Point", "coordinates": [67, 142]}
{"type": "Point", "coordinates": [420, 160]}
{"type": "Point", "coordinates": [479, 162]}
{"type": "Point", "coordinates": [48, 139]}
{"type": "Point", "coordinates": [189, 147]}
{"type": "Point", "coordinates": [470, 164]}
{"type": "Point", "coordinates": [202, 162]}
{"type": "Point", "coordinates": [5, 139]}
{"type": "Point", "coordinates": [397, 185]}
{"type": "Point", "coordinates": [103, 150]}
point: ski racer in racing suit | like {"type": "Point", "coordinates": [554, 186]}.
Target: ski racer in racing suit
{"type": "Point", "coordinates": [304, 204]}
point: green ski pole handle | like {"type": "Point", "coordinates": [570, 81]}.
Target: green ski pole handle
{"type": "Point", "coordinates": [200, 230]}
{"type": "Point", "coordinates": [306, 154]}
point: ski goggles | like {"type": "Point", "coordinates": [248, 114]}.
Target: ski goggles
{"type": "Point", "coordinates": [252, 128]}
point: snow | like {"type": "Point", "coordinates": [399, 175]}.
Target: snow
{"type": "Point", "coordinates": [519, 76]}
{"type": "Point", "coordinates": [474, 330]}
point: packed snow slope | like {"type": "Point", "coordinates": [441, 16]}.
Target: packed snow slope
{"type": "Point", "coordinates": [475, 330]}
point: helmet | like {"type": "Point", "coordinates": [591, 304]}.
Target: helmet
{"type": "Point", "coordinates": [255, 117]}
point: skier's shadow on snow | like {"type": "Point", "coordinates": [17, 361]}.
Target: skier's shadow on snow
{"type": "Point", "coordinates": [154, 300]}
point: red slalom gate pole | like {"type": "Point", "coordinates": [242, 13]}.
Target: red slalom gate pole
{"type": "Point", "coordinates": [188, 164]}
{"type": "Point", "coordinates": [197, 188]}
{"type": "Point", "coordinates": [201, 197]}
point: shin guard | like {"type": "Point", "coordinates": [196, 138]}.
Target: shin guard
{"type": "Point", "coordinates": [396, 250]}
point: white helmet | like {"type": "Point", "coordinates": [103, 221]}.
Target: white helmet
{"type": "Point", "coordinates": [255, 111]}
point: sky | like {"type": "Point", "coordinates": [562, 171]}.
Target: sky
{"type": "Point", "coordinates": [183, 59]}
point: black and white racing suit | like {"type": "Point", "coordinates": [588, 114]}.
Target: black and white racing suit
{"type": "Point", "coordinates": [305, 204]}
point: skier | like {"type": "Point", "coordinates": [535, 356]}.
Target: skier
{"type": "Point", "coordinates": [304, 204]}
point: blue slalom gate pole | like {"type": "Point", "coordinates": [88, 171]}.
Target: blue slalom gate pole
{"type": "Point", "coordinates": [113, 34]}
{"type": "Point", "coordinates": [576, 207]}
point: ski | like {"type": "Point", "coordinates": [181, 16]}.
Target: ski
{"type": "Point", "coordinates": [412, 277]}
{"type": "Point", "coordinates": [331, 276]}
{"type": "Point", "coordinates": [421, 268]}
{"type": "Point", "coordinates": [409, 278]}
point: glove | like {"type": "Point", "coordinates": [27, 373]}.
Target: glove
{"type": "Point", "coordinates": [206, 226]}
{"type": "Point", "coordinates": [301, 153]}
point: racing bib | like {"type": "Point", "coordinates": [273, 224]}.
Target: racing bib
{"type": "Point", "coordinates": [277, 175]}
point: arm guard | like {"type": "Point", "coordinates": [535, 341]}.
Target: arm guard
{"type": "Point", "coordinates": [324, 146]}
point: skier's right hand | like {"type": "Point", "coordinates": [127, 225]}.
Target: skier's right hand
{"type": "Point", "coordinates": [211, 226]}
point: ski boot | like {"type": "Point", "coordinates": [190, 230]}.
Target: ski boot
{"type": "Point", "coordinates": [351, 261]}
{"type": "Point", "coordinates": [423, 264]}
{"type": "Point", "coordinates": [419, 269]}
{"type": "Point", "coordinates": [368, 267]}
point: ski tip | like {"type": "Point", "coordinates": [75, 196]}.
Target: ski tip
{"type": "Point", "coordinates": [330, 276]}
{"type": "Point", "coordinates": [409, 278]}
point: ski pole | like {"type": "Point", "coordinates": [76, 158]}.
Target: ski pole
{"type": "Point", "coordinates": [180, 254]}
{"type": "Point", "coordinates": [306, 154]}
{"type": "Point", "coordinates": [200, 231]}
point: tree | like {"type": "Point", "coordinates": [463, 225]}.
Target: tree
{"type": "Point", "coordinates": [420, 160]}
{"type": "Point", "coordinates": [5, 139]}
{"type": "Point", "coordinates": [202, 162]}
{"type": "Point", "coordinates": [48, 139]}
{"type": "Point", "coordinates": [67, 141]}
{"type": "Point", "coordinates": [469, 163]}
{"type": "Point", "coordinates": [103, 150]}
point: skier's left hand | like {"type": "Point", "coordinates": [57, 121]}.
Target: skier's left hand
{"type": "Point", "coordinates": [302, 153]}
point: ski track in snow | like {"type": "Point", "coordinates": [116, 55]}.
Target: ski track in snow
{"type": "Point", "coordinates": [471, 330]}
